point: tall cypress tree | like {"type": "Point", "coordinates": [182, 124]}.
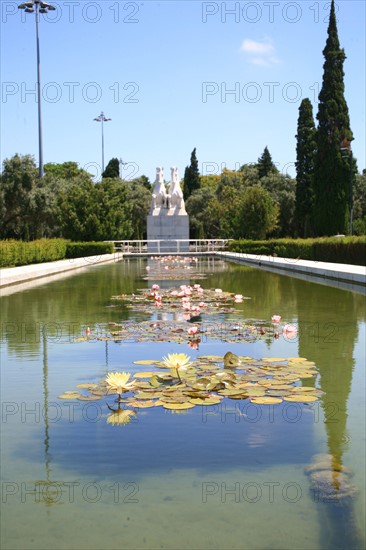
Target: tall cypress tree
{"type": "Point", "coordinates": [265, 164]}
{"type": "Point", "coordinates": [191, 177]}
{"type": "Point", "coordinates": [331, 174]}
{"type": "Point", "coordinates": [305, 157]}
{"type": "Point", "coordinates": [112, 169]}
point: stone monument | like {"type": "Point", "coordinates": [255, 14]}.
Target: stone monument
{"type": "Point", "coordinates": [167, 220]}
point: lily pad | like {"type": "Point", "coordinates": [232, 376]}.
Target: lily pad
{"type": "Point", "coordinates": [178, 406]}
{"type": "Point", "coordinates": [305, 398]}
{"type": "Point", "coordinates": [266, 400]}
{"type": "Point", "coordinates": [69, 395]}
{"type": "Point", "coordinates": [142, 404]}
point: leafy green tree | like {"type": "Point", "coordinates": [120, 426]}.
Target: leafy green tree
{"type": "Point", "coordinates": [65, 170]}
{"type": "Point", "coordinates": [250, 174]}
{"type": "Point", "coordinates": [282, 189]}
{"type": "Point", "coordinates": [359, 204]}
{"type": "Point", "coordinates": [201, 224]}
{"type": "Point", "coordinates": [112, 169]}
{"type": "Point", "coordinates": [76, 211]}
{"type": "Point", "coordinates": [191, 176]}
{"type": "Point", "coordinates": [331, 174]}
{"type": "Point", "coordinates": [143, 180]}
{"type": "Point", "coordinates": [265, 164]}
{"type": "Point", "coordinates": [113, 210]}
{"type": "Point", "coordinates": [305, 158]}
{"type": "Point", "coordinates": [139, 200]}
{"type": "Point", "coordinates": [18, 181]}
{"type": "Point", "coordinates": [258, 214]}
{"type": "Point", "coordinates": [89, 212]}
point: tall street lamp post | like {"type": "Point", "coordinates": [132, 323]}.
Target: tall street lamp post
{"type": "Point", "coordinates": [37, 7]}
{"type": "Point", "coordinates": [121, 165]}
{"type": "Point", "coordinates": [346, 146]}
{"type": "Point", "coordinates": [102, 118]}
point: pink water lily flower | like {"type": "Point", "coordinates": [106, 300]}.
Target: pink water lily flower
{"type": "Point", "coordinates": [238, 298]}
{"type": "Point", "coordinates": [155, 287]}
{"type": "Point", "coordinates": [218, 290]}
{"type": "Point", "coordinates": [192, 330]}
{"type": "Point", "coordinates": [276, 318]}
{"type": "Point", "coordinates": [290, 332]}
{"type": "Point", "coordinates": [202, 304]}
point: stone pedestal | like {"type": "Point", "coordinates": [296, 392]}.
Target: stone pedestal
{"type": "Point", "coordinates": [168, 220]}
{"type": "Point", "coordinates": [166, 227]}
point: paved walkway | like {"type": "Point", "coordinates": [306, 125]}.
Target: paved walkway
{"type": "Point", "coordinates": [355, 274]}
{"type": "Point", "coordinates": [21, 274]}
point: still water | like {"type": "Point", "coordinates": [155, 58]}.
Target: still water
{"type": "Point", "coordinates": [225, 477]}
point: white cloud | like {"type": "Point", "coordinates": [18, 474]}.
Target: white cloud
{"type": "Point", "coordinates": [260, 53]}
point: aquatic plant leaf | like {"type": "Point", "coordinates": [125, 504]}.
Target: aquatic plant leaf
{"type": "Point", "coordinates": [70, 395]}
{"type": "Point", "coordinates": [266, 400]}
{"type": "Point", "coordinates": [305, 398]}
{"type": "Point", "coordinates": [231, 360]}
{"type": "Point", "coordinates": [178, 406]}
{"type": "Point", "coordinates": [145, 362]}
{"type": "Point", "coordinates": [142, 404]}
{"type": "Point", "coordinates": [89, 397]}
{"type": "Point", "coordinates": [205, 402]}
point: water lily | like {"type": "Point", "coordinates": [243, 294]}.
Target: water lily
{"type": "Point", "coordinates": [176, 361]}
{"type": "Point", "coordinates": [147, 268]}
{"type": "Point", "coordinates": [290, 332]}
{"type": "Point", "coordinates": [155, 287]}
{"type": "Point", "coordinates": [276, 318]}
{"type": "Point", "coordinates": [192, 330]}
{"type": "Point", "coordinates": [193, 344]}
{"type": "Point", "coordinates": [119, 381]}
{"type": "Point", "coordinates": [218, 290]}
{"type": "Point", "coordinates": [120, 417]}
{"type": "Point", "coordinates": [238, 298]}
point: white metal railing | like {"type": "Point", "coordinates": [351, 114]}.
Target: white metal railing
{"type": "Point", "coordinates": [165, 246]}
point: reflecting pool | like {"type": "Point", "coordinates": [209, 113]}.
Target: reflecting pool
{"type": "Point", "coordinates": [229, 476]}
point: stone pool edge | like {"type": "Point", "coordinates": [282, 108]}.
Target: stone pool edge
{"type": "Point", "coordinates": [11, 276]}
{"type": "Point", "coordinates": [355, 274]}
{"type": "Point", "coordinates": [14, 276]}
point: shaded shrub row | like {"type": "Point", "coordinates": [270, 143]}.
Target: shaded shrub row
{"type": "Point", "coordinates": [80, 250]}
{"type": "Point", "coordinates": [14, 253]}
{"type": "Point", "coordinates": [344, 250]}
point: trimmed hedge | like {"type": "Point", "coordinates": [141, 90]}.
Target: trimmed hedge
{"type": "Point", "coordinates": [14, 253]}
{"type": "Point", "coordinates": [344, 250]}
{"type": "Point", "coordinates": [80, 250]}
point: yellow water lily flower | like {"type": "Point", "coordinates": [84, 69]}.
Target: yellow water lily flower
{"type": "Point", "coordinates": [176, 361]}
{"type": "Point", "coordinates": [119, 381]}
{"type": "Point", "coordinates": [120, 417]}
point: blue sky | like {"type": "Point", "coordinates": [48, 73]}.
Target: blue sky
{"type": "Point", "coordinates": [224, 77]}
